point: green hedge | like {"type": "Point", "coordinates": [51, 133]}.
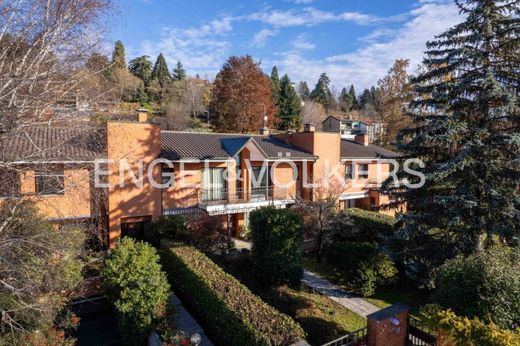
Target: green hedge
{"type": "Point", "coordinates": [277, 236]}
{"type": "Point", "coordinates": [374, 225]}
{"type": "Point", "coordinates": [229, 312]}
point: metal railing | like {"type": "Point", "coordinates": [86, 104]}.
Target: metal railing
{"type": "Point", "coordinates": [255, 194]}
{"type": "Point", "coordinates": [419, 334]}
{"type": "Point", "coordinates": [356, 338]}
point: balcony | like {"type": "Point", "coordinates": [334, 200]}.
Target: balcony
{"type": "Point", "coordinates": [256, 194]}
{"type": "Point", "coordinates": [226, 201]}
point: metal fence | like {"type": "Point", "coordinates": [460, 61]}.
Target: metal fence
{"type": "Point", "coordinates": [419, 334]}
{"type": "Point", "coordinates": [357, 338]}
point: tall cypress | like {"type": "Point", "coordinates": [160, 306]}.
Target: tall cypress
{"type": "Point", "coordinates": [275, 85]}
{"type": "Point", "coordinates": [160, 71]}
{"type": "Point", "coordinates": [118, 55]}
{"type": "Point", "coordinates": [467, 132]}
{"type": "Point", "coordinates": [289, 106]}
{"type": "Point", "coordinates": [355, 103]}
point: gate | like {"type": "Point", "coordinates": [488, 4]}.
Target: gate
{"type": "Point", "coordinates": [419, 334]}
{"type": "Point", "coordinates": [357, 338]}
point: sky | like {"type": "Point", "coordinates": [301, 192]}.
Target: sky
{"type": "Point", "coordinates": [353, 41]}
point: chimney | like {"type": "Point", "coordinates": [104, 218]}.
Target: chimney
{"type": "Point", "coordinates": [309, 127]}
{"type": "Point", "coordinates": [264, 131]}
{"type": "Point", "coordinates": [362, 139]}
{"type": "Point", "coordinates": [142, 115]}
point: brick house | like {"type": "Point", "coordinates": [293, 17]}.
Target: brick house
{"type": "Point", "coordinates": [78, 175]}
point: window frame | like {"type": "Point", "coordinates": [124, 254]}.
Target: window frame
{"type": "Point", "coordinates": [39, 183]}
{"type": "Point", "coordinates": [362, 173]}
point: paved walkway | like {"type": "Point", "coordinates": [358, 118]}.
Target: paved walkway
{"type": "Point", "coordinates": [186, 323]}
{"type": "Point", "coordinates": [339, 295]}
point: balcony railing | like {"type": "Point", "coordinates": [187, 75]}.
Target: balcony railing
{"type": "Point", "coordinates": [239, 195]}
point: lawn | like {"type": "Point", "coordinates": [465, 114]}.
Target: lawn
{"type": "Point", "coordinates": [399, 292]}
{"type": "Point", "coordinates": [322, 319]}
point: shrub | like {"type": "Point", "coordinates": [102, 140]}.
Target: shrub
{"type": "Point", "coordinates": [362, 265]}
{"type": "Point", "coordinates": [227, 309]}
{"type": "Point", "coordinates": [277, 236]}
{"type": "Point", "coordinates": [372, 226]}
{"type": "Point", "coordinates": [485, 285]}
{"type": "Point", "coordinates": [207, 233]}
{"type": "Point", "coordinates": [465, 331]}
{"type": "Point", "coordinates": [166, 227]}
{"type": "Point", "coordinates": [134, 282]}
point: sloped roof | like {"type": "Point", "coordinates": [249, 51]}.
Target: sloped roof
{"type": "Point", "coordinates": [352, 149]}
{"type": "Point", "coordinates": [176, 145]}
{"type": "Point", "coordinates": [36, 143]}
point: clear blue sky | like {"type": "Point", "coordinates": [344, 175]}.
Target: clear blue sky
{"type": "Point", "coordinates": [353, 41]}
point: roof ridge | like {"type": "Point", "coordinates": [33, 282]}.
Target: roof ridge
{"type": "Point", "coordinates": [214, 133]}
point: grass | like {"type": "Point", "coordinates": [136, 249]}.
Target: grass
{"type": "Point", "coordinates": [399, 292]}
{"type": "Point", "coordinates": [322, 319]}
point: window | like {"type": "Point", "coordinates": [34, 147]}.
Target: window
{"type": "Point", "coordinates": [9, 183]}
{"type": "Point", "coordinates": [363, 171]}
{"type": "Point", "coordinates": [349, 171]}
{"type": "Point", "coordinates": [213, 184]}
{"type": "Point", "coordinates": [350, 203]}
{"type": "Point", "coordinates": [167, 176]}
{"type": "Point", "coordinates": [50, 183]}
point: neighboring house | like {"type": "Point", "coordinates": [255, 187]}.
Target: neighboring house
{"type": "Point", "coordinates": [350, 127]}
{"type": "Point", "coordinates": [228, 175]}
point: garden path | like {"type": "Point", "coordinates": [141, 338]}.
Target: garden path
{"type": "Point", "coordinates": [337, 294]}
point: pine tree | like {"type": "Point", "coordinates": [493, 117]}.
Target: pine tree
{"type": "Point", "coordinates": [303, 90]}
{"type": "Point", "coordinates": [141, 67]}
{"type": "Point", "coordinates": [179, 73]}
{"type": "Point", "coordinates": [322, 93]}
{"type": "Point", "coordinates": [275, 85]}
{"type": "Point", "coordinates": [289, 107]}
{"type": "Point", "coordinates": [466, 131]}
{"type": "Point", "coordinates": [160, 71]}
{"type": "Point", "coordinates": [345, 101]}
{"type": "Point", "coordinates": [355, 104]}
{"type": "Point", "coordinates": [118, 55]}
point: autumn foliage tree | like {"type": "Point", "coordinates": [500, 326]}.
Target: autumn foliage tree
{"type": "Point", "coordinates": [395, 92]}
{"type": "Point", "coordinates": [241, 97]}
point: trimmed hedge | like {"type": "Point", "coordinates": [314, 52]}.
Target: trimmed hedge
{"type": "Point", "coordinates": [362, 264]}
{"type": "Point", "coordinates": [277, 236]}
{"type": "Point", "coordinates": [372, 224]}
{"type": "Point", "coordinates": [229, 312]}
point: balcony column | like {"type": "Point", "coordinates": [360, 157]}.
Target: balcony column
{"type": "Point", "coordinates": [246, 175]}
{"type": "Point", "coordinates": [232, 181]}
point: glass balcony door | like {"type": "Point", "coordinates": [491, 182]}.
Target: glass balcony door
{"type": "Point", "coordinates": [213, 184]}
{"type": "Point", "coordinates": [259, 183]}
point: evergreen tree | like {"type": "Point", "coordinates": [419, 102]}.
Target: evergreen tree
{"type": "Point", "coordinates": [179, 73]}
{"type": "Point", "coordinates": [466, 130]}
{"type": "Point", "coordinates": [141, 67]}
{"type": "Point", "coordinates": [275, 85]}
{"type": "Point", "coordinates": [118, 55]}
{"type": "Point", "coordinates": [303, 90]}
{"type": "Point", "coordinates": [322, 93]}
{"type": "Point", "coordinates": [345, 101]}
{"type": "Point", "coordinates": [141, 94]}
{"type": "Point", "coordinates": [365, 99]}
{"type": "Point", "coordinates": [355, 104]}
{"type": "Point", "coordinates": [160, 71]}
{"type": "Point", "coordinates": [289, 110]}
